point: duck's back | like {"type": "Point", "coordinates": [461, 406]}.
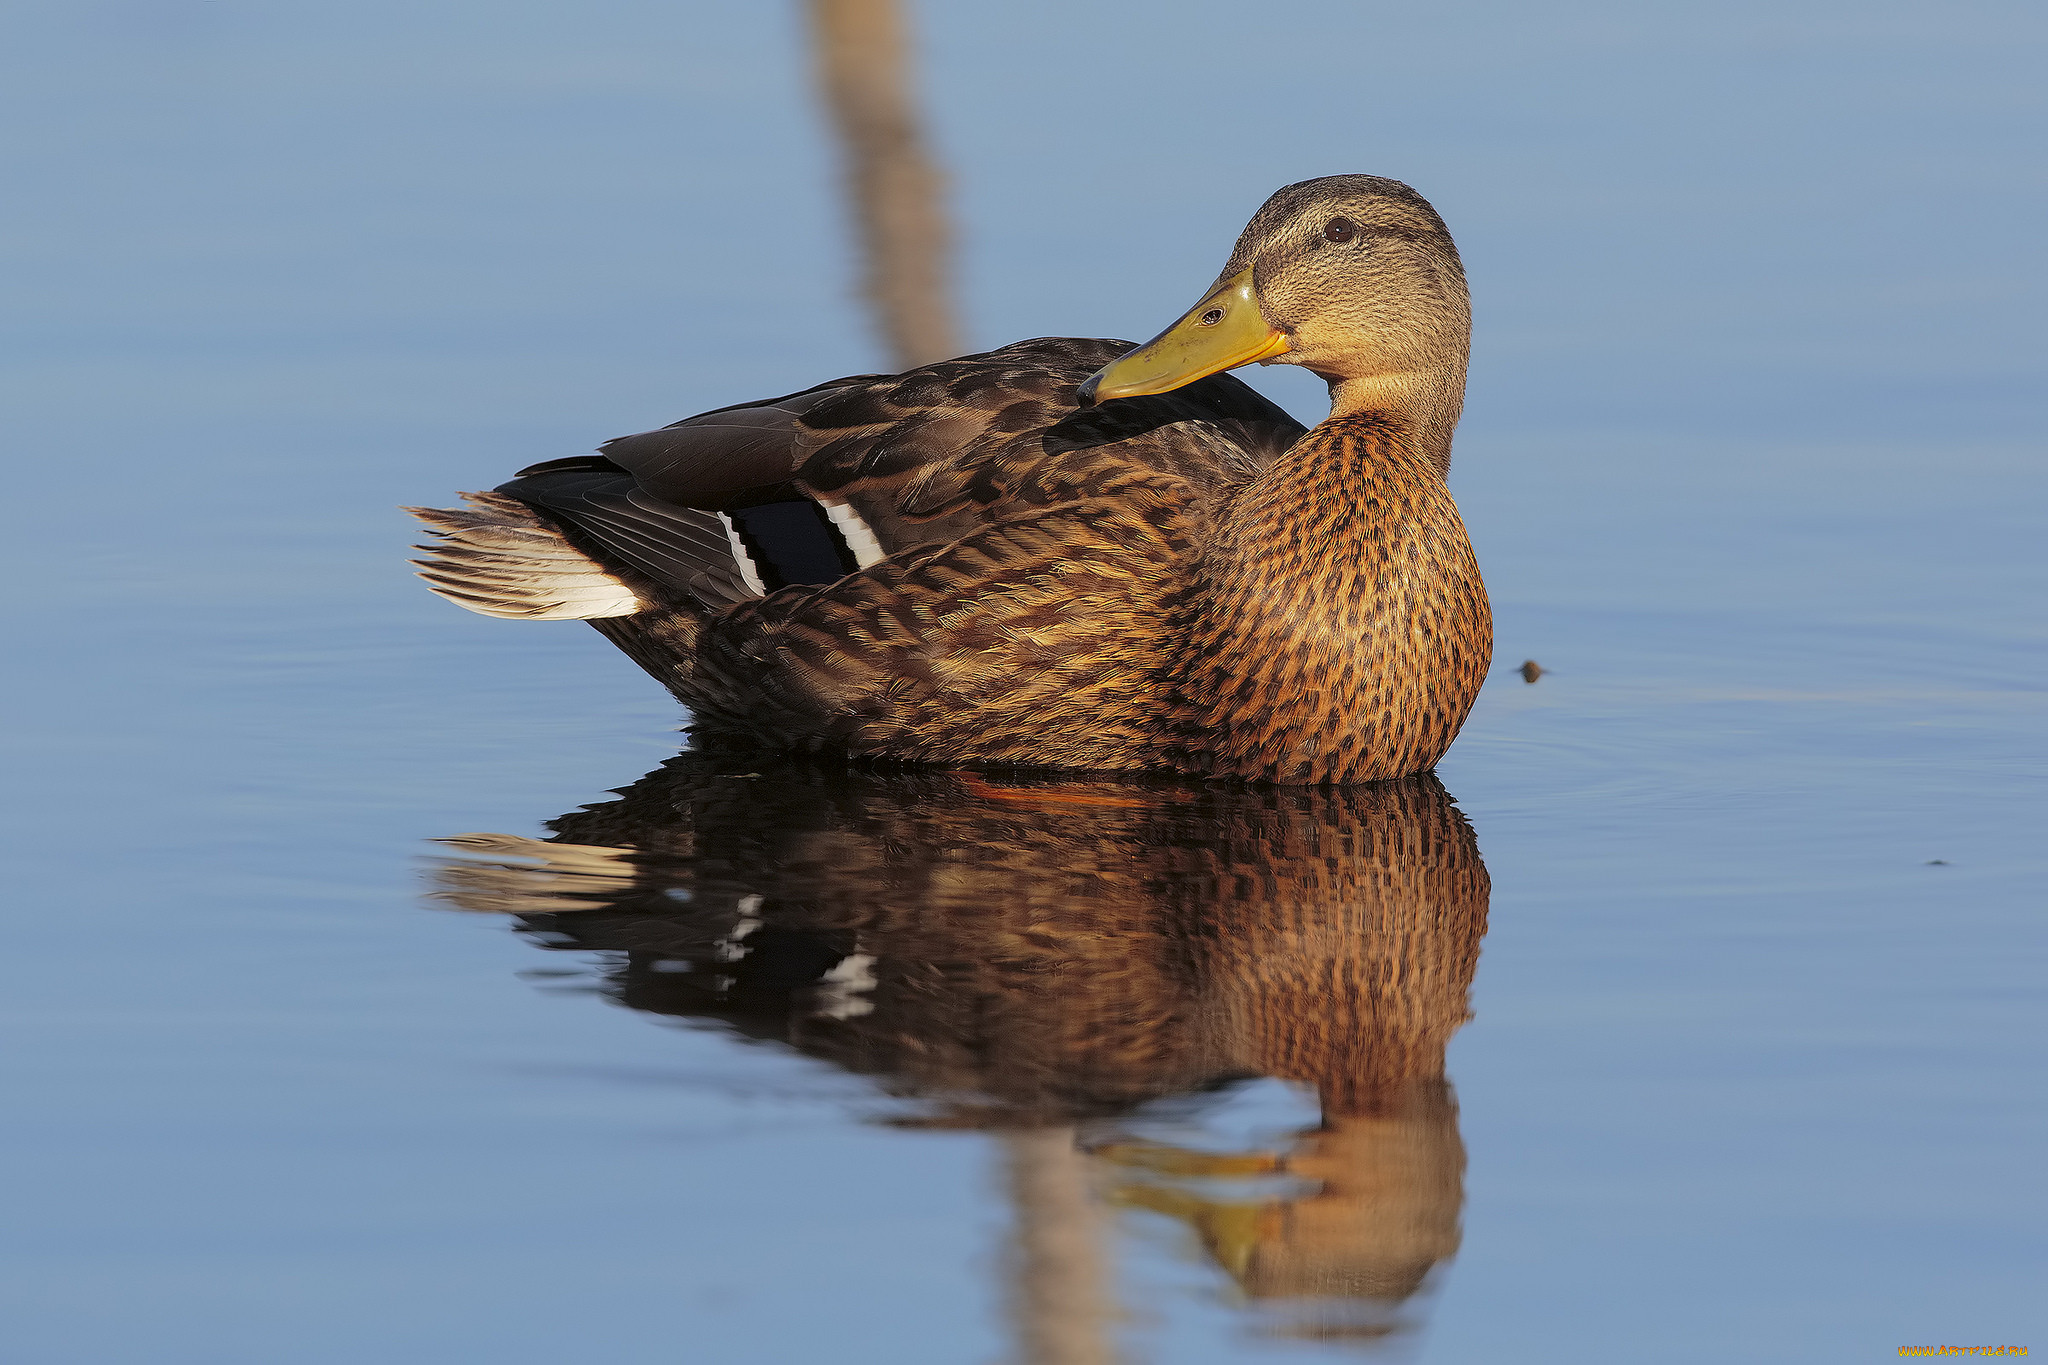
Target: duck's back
{"type": "Point", "coordinates": [957, 563]}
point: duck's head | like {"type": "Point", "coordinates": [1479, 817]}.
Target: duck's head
{"type": "Point", "coordinates": [1351, 276]}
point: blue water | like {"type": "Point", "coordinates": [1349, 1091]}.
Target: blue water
{"type": "Point", "coordinates": [1753, 463]}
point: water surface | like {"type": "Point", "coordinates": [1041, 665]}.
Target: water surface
{"type": "Point", "coordinates": [1752, 463]}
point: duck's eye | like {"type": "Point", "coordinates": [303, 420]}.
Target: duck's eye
{"type": "Point", "coordinates": [1211, 317]}
{"type": "Point", "coordinates": [1339, 230]}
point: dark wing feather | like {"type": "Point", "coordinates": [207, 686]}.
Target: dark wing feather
{"type": "Point", "coordinates": [726, 458]}
{"type": "Point", "coordinates": [605, 513]}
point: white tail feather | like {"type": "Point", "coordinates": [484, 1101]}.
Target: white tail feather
{"type": "Point", "coordinates": [501, 560]}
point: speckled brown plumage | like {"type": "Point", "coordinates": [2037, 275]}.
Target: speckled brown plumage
{"type": "Point", "coordinates": [1327, 624]}
{"type": "Point", "coordinates": [1337, 630]}
{"type": "Point", "coordinates": [1181, 581]}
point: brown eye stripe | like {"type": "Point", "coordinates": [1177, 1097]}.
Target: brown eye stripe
{"type": "Point", "coordinates": [1356, 230]}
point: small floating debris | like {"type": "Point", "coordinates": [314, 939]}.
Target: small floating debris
{"type": "Point", "coordinates": [1531, 670]}
{"type": "Point", "coordinates": [1937, 862]}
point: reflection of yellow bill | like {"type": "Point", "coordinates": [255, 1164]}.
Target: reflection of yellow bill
{"type": "Point", "coordinates": [1225, 330]}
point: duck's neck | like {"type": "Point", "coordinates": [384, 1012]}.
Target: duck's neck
{"type": "Point", "coordinates": [1423, 404]}
{"type": "Point", "coordinates": [1343, 631]}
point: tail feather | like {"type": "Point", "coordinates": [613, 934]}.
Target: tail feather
{"type": "Point", "coordinates": [499, 558]}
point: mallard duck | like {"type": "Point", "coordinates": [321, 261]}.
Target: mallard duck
{"type": "Point", "coordinates": [1064, 553]}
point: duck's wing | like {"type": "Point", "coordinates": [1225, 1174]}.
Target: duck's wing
{"type": "Point", "coordinates": [809, 487]}
{"type": "Point", "coordinates": [814, 485]}
{"type": "Point", "coordinates": [628, 548]}
{"type": "Point", "coordinates": [737, 456]}
{"type": "Point", "coordinates": [926, 457]}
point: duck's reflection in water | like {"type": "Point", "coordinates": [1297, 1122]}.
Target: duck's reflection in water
{"type": "Point", "coordinates": [1058, 960]}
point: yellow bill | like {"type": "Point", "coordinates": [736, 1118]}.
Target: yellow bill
{"type": "Point", "coordinates": [1225, 330]}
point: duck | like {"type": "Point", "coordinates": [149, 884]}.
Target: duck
{"type": "Point", "coordinates": [1065, 553]}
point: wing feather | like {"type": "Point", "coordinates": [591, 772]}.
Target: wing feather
{"type": "Point", "coordinates": [895, 464]}
{"type": "Point", "coordinates": [681, 548]}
